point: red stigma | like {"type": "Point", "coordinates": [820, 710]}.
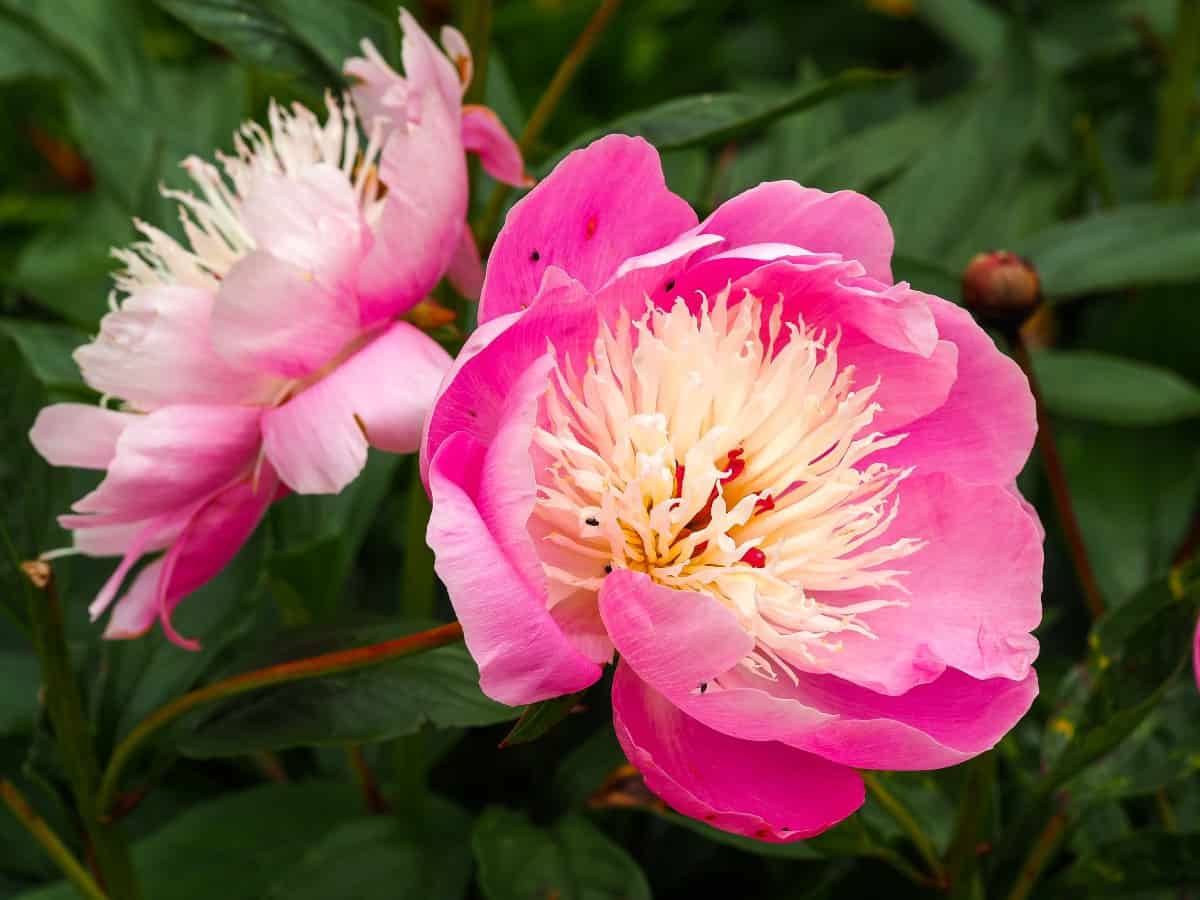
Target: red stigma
{"type": "Point", "coordinates": [700, 548]}
{"type": "Point", "coordinates": [765, 503]}
{"type": "Point", "coordinates": [679, 472]}
{"type": "Point", "coordinates": [754, 558]}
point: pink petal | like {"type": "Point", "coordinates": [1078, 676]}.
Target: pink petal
{"type": "Point", "coordinates": [423, 217]}
{"type": "Point", "coordinates": [155, 350]}
{"type": "Point", "coordinates": [376, 86]}
{"type": "Point", "coordinates": [476, 390]}
{"type": "Point", "coordinates": [276, 317]}
{"type": "Point", "coordinates": [485, 134]}
{"type": "Point", "coordinates": [784, 212]}
{"type": "Point", "coordinates": [170, 459]}
{"type": "Point", "coordinates": [600, 206]}
{"type": "Point", "coordinates": [763, 789]}
{"type": "Point", "coordinates": [146, 536]}
{"type": "Point", "coordinates": [78, 434]}
{"type": "Point", "coordinates": [973, 591]}
{"type": "Point", "coordinates": [137, 609]}
{"type": "Point", "coordinates": [522, 655]}
{"type": "Point", "coordinates": [426, 67]}
{"type": "Point", "coordinates": [984, 431]}
{"type": "Point", "coordinates": [459, 51]}
{"type": "Point", "coordinates": [114, 540]}
{"type": "Point", "coordinates": [466, 269]}
{"type": "Point", "coordinates": [381, 395]}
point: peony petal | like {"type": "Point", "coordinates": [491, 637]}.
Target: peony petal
{"type": "Point", "coordinates": [155, 350]}
{"type": "Point", "coordinates": [381, 395]}
{"type": "Point", "coordinates": [522, 655]}
{"type": "Point", "coordinates": [984, 431]}
{"type": "Point", "coordinates": [170, 459]}
{"type": "Point", "coordinates": [78, 434]}
{"type": "Point", "coordinates": [376, 87]}
{"type": "Point", "coordinates": [763, 789]}
{"type": "Point", "coordinates": [600, 206]}
{"type": "Point", "coordinates": [784, 212]}
{"type": "Point", "coordinates": [275, 317]}
{"type": "Point", "coordinates": [466, 269]}
{"type": "Point", "coordinates": [972, 593]}
{"type": "Point", "coordinates": [426, 67]}
{"type": "Point", "coordinates": [483, 133]}
{"type": "Point", "coordinates": [137, 609]}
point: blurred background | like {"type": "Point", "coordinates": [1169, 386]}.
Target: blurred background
{"type": "Point", "coordinates": [1064, 130]}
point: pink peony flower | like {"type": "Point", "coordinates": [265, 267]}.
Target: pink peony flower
{"type": "Point", "coordinates": [264, 353]}
{"type": "Point", "coordinates": [777, 485]}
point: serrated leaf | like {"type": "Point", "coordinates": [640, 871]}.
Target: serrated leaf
{"type": "Point", "coordinates": [573, 860]}
{"type": "Point", "coordinates": [1110, 390]}
{"type": "Point", "coordinates": [438, 687]}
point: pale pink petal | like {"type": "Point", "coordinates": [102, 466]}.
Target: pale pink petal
{"type": "Point", "coordinates": [80, 435]}
{"type": "Point", "coordinates": [600, 206]}
{"type": "Point", "coordinates": [483, 133]}
{"type": "Point", "coordinates": [984, 431]}
{"type": "Point", "coordinates": [784, 212]}
{"type": "Point", "coordinates": [114, 540]}
{"type": "Point", "coordinates": [466, 269]}
{"type": "Point", "coordinates": [423, 216]}
{"type": "Point", "coordinates": [275, 317]}
{"type": "Point", "coordinates": [759, 789]}
{"type": "Point", "coordinates": [141, 542]}
{"type": "Point", "coordinates": [381, 395]}
{"type": "Point", "coordinates": [155, 350]}
{"type": "Point", "coordinates": [972, 594]}
{"type": "Point", "coordinates": [475, 392]}
{"type": "Point", "coordinates": [459, 51]}
{"type": "Point", "coordinates": [426, 67]}
{"type": "Point", "coordinates": [522, 654]}
{"type": "Point", "coordinates": [137, 609]}
{"type": "Point", "coordinates": [377, 88]}
{"type": "Point", "coordinates": [169, 459]}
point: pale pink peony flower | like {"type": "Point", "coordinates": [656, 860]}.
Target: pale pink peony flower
{"type": "Point", "coordinates": [264, 353]}
{"type": "Point", "coordinates": [779, 486]}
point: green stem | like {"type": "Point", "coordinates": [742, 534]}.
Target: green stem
{"type": "Point", "coordinates": [962, 857]}
{"type": "Point", "coordinates": [1043, 851]}
{"type": "Point", "coordinates": [911, 827]}
{"type": "Point", "coordinates": [54, 847]}
{"type": "Point", "coordinates": [1175, 105]}
{"type": "Point", "coordinates": [73, 733]}
{"type": "Point", "coordinates": [549, 101]}
{"type": "Point", "coordinates": [296, 670]}
{"type": "Point", "coordinates": [419, 584]}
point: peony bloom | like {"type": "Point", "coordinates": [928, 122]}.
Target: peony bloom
{"type": "Point", "coordinates": [779, 487]}
{"type": "Point", "coordinates": [264, 353]}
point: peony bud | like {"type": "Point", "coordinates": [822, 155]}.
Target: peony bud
{"type": "Point", "coordinates": [1001, 288]}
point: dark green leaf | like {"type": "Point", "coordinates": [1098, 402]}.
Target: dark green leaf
{"type": "Point", "coordinates": [47, 350]}
{"type": "Point", "coordinates": [20, 681]}
{"type": "Point", "coordinates": [539, 718]}
{"type": "Point", "coordinates": [717, 118]}
{"type": "Point", "coordinates": [1113, 391]}
{"type": "Point", "coordinates": [1127, 247]}
{"type": "Point", "coordinates": [235, 847]}
{"type": "Point", "coordinates": [1146, 861]}
{"type": "Point", "coordinates": [571, 861]}
{"type": "Point", "coordinates": [439, 688]}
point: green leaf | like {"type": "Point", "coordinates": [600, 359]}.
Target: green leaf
{"type": "Point", "coordinates": [1127, 247]}
{"type": "Point", "coordinates": [47, 349]}
{"type": "Point", "coordinates": [439, 688]}
{"type": "Point", "coordinates": [538, 718]}
{"type": "Point", "coordinates": [573, 860]}
{"type": "Point", "coordinates": [1113, 391]}
{"type": "Point", "coordinates": [24, 55]}
{"type": "Point", "coordinates": [20, 681]}
{"type": "Point", "coordinates": [1146, 861]}
{"type": "Point", "coordinates": [717, 118]}
{"type": "Point", "coordinates": [236, 846]}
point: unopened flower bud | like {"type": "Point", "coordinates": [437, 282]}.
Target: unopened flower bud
{"type": "Point", "coordinates": [1001, 288]}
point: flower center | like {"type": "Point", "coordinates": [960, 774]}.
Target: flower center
{"type": "Point", "coordinates": [722, 454]}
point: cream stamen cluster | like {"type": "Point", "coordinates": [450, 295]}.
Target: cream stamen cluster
{"type": "Point", "coordinates": [719, 454]}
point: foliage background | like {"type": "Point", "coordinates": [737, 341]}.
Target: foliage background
{"type": "Point", "coordinates": [1063, 129]}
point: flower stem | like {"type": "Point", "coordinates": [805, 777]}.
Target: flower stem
{"type": "Point", "coordinates": [1175, 105]}
{"type": "Point", "coordinates": [372, 796]}
{"type": "Point", "coordinates": [296, 670]}
{"type": "Point", "coordinates": [1048, 447]}
{"type": "Point", "coordinates": [549, 101]}
{"type": "Point", "coordinates": [419, 593]}
{"type": "Point", "coordinates": [1042, 852]}
{"type": "Point", "coordinates": [73, 735]}
{"type": "Point", "coordinates": [54, 847]}
{"type": "Point", "coordinates": [911, 827]}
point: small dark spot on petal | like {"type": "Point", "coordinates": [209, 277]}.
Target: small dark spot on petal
{"type": "Point", "coordinates": [472, 414]}
{"type": "Point", "coordinates": [593, 521]}
{"type": "Point", "coordinates": [534, 256]}
{"type": "Point", "coordinates": [670, 285]}
{"type": "Point", "coordinates": [703, 686]}
{"type": "Point", "coordinates": [763, 833]}
{"type": "Point", "coordinates": [710, 818]}
{"type": "Point", "coordinates": [591, 226]}
{"type": "Point", "coordinates": [607, 569]}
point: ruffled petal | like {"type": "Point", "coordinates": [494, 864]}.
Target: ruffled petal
{"type": "Point", "coordinates": [483, 133]}
{"type": "Point", "coordinates": [784, 212]}
{"type": "Point", "coordinates": [758, 789]}
{"type": "Point", "coordinates": [599, 207]}
{"type": "Point", "coordinates": [78, 434]}
{"type": "Point", "coordinates": [381, 395]}
{"type": "Point", "coordinates": [522, 654]}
